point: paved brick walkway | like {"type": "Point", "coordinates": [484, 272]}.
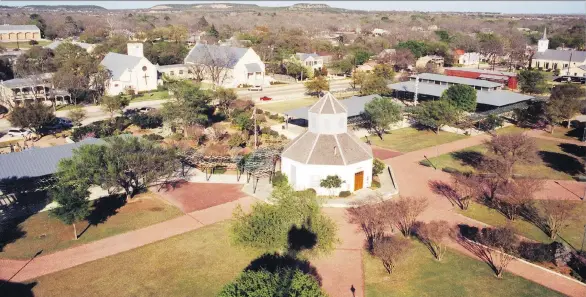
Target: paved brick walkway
{"type": "Point", "coordinates": [381, 153]}
{"type": "Point", "coordinates": [413, 180]}
{"type": "Point", "coordinates": [120, 243]}
{"type": "Point", "coordinates": [190, 197]}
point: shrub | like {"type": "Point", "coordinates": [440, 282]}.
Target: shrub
{"type": "Point", "coordinates": [147, 121]}
{"type": "Point", "coordinates": [176, 136]}
{"type": "Point", "coordinates": [267, 113]}
{"type": "Point", "coordinates": [377, 167]}
{"type": "Point", "coordinates": [33, 42]}
{"type": "Point", "coordinates": [309, 191]}
{"type": "Point", "coordinates": [345, 194]}
{"type": "Point", "coordinates": [450, 170]}
{"type": "Point", "coordinates": [425, 163]}
{"type": "Point", "coordinates": [537, 252]}
{"type": "Point", "coordinates": [375, 184]}
{"type": "Point", "coordinates": [279, 179]}
{"type": "Point", "coordinates": [274, 133]}
{"type": "Point", "coordinates": [259, 111]}
{"type": "Point", "coordinates": [281, 119]}
{"type": "Point", "coordinates": [100, 129]}
{"type": "Point", "coordinates": [153, 137]}
{"type": "Point", "coordinates": [265, 130]}
{"type": "Point", "coordinates": [273, 116]}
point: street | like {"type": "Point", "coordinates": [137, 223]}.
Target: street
{"type": "Point", "coordinates": [277, 93]}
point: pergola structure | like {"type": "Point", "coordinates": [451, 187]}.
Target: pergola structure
{"type": "Point", "coordinates": [260, 163]}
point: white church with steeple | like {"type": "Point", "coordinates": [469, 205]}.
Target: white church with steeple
{"type": "Point", "coordinates": [567, 61]}
{"type": "Point", "coordinates": [326, 148]}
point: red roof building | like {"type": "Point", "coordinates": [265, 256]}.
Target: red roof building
{"type": "Point", "coordinates": [507, 78]}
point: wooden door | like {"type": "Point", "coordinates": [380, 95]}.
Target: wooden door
{"type": "Point", "coordinates": [358, 180]}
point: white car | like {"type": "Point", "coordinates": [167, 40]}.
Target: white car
{"type": "Point", "coordinates": [19, 132]}
{"type": "Point", "coordinates": [255, 88]}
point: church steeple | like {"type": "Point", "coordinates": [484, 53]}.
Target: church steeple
{"type": "Point", "coordinates": [543, 43]}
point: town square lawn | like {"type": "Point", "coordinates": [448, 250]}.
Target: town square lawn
{"type": "Point", "coordinates": [196, 263]}
{"type": "Point", "coordinates": [282, 106]}
{"type": "Point", "coordinates": [411, 139]}
{"type": "Point", "coordinates": [572, 233]}
{"type": "Point", "coordinates": [109, 217]}
{"type": "Point", "coordinates": [420, 275]}
{"type": "Point", "coordinates": [558, 161]}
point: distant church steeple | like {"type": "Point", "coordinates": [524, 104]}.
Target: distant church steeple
{"type": "Point", "coordinates": [543, 43]}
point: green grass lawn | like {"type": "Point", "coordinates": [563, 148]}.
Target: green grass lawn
{"type": "Point", "coordinates": [50, 234]}
{"type": "Point", "coordinates": [565, 133]}
{"type": "Point", "coordinates": [558, 161]}
{"type": "Point", "coordinates": [197, 263]}
{"type": "Point", "coordinates": [285, 105]}
{"type": "Point", "coordinates": [150, 96]}
{"type": "Point", "coordinates": [419, 275]}
{"type": "Point", "coordinates": [572, 233]}
{"type": "Point", "coordinates": [23, 44]}
{"type": "Point", "coordinates": [410, 139]}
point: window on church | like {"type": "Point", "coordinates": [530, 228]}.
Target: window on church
{"type": "Point", "coordinates": [172, 72]}
{"type": "Point", "coordinates": [115, 85]}
{"type": "Point", "coordinates": [180, 71]}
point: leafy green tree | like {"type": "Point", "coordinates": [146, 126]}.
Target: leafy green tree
{"type": "Point", "coordinates": [244, 121]}
{"type": "Point", "coordinates": [123, 163]}
{"type": "Point", "coordinates": [268, 226]}
{"type": "Point", "coordinates": [31, 115]}
{"type": "Point", "coordinates": [444, 36]}
{"type": "Point", "coordinates": [190, 107]}
{"type": "Point", "coordinates": [317, 85]}
{"type": "Point", "coordinates": [418, 48]}
{"type": "Point", "coordinates": [532, 82]}
{"type": "Point", "coordinates": [361, 56]}
{"type": "Point", "coordinates": [491, 122]}
{"type": "Point", "coordinates": [563, 103]}
{"type": "Point", "coordinates": [73, 204]}
{"type": "Point", "coordinates": [77, 115]}
{"type": "Point", "coordinates": [378, 167]}
{"type": "Point", "coordinates": [435, 114]}
{"type": "Point", "coordinates": [380, 113]}
{"type": "Point", "coordinates": [344, 66]}
{"type": "Point", "coordinates": [385, 71]}
{"type": "Point", "coordinates": [165, 53]}
{"type": "Point", "coordinates": [6, 71]}
{"type": "Point", "coordinates": [373, 84]}
{"type": "Point", "coordinates": [114, 104]}
{"type": "Point", "coordinates": [115, 44]}
{"type": "Point", "coordinates": [225, 97]}
{"type": "Point", "coordinates": [37, 20]}
{"type": "Point", "coordinates": [202, 22]}
{"type": "Point", "coordinates": [331, 182]}
{"type": "Point", "coordinates": [285, 282]}
{"type": "Point", "coordinates": [462, 97]}
{"type": "Point", "coordinates": [213, 32]}
{"type": "Point", "coordinates": [36, 60]}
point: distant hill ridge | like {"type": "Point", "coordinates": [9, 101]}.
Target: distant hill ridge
{"type": "Point", "coordinates": [65, 7]}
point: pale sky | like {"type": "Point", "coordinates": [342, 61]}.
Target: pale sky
{"type": "Point", "coordinates": [543, 7]}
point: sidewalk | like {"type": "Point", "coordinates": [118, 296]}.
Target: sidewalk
{"type": "Point", "coordinates": [120, 243]}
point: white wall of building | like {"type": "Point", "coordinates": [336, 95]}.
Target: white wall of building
{"type": "Point", "coordinates": [135, 79]}
{"type": "Point", "coordinates": [303, 176]}
{"type": "Point", "coordinates": [240, 75]}
{"type": "Point", "coordinates": [469, 59]}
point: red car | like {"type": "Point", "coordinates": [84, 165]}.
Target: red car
{"type": "Point", "coordinates": [265, 98]}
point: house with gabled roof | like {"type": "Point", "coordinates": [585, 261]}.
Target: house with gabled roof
{"type": "Point", "coordinates": [326, 148]}
{"type": "Point", "coordinates": [227, 66]}
{"type": "Point", "coordinates": [88, 47]}
{"type": "Point", "coordinates": [131, 73]}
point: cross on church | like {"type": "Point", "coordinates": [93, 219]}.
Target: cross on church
{"type": "Point", "coordinates": [145, 78]}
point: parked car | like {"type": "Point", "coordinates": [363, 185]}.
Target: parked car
{"type": "Point", "coordinates": [255, 88]}
{"type": "Point", "coordinates": [146, 109]}
{"type": "Point", "coordinates": [19, 132]}
{"type": "Point", "coordinates": [59, 124]}
{"type": "Point", "coordinates": [265, 98]}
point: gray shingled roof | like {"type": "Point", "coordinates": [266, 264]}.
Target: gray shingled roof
{"type": "Point", "coordinates": [325, 149]}
{"type": "Point", "coordinates": [207, 54]}
{"type": "Point", "coordinates": [485, 71]}
{"type": "Point", "coordinates": [328, 104]}
{"type": "Point", "coordinates": [253, 67]}
{"type": "Point", "coordinates": [304, 56]}
{"type": "Point", "coordinates": [53, 45]}
{"type": "Point", "coordinates": [28, 81]}
{"type": "Point", "coordinates": [21, 28]}
{"type": "Point", "coordinates": [354, 106]}
{"type": "Point", "coordinates": [494, 98]}
{"type": "Point", "coordinates": [458, 80]}
{"type": "Point", "coordinates": [560, 55]}
{"type": "Point", "coordinates": [171, 67]}
{"type": "Point", "coordinates": [37, 162]}
{"type": "Point", "coordinates": [118, 63]}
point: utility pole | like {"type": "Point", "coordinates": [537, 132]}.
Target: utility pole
{"type": "Point", "coordinates": [416, 90]}
{"type": "Point", "coordinates": [255, 132]}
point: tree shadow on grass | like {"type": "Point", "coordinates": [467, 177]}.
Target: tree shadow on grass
{"type": "Point", "coordinates": [562, 162]}
{"type": "Point", "coordinates": [275, 262]}
{"type": "Point", "coordinates": [572, 149]}
{"type": "Point", "coordinates": [103, 209]}
{"type": "Point", "coordinates": [11, 289]}
{"type": "Point", "coordinates": [470, 158]}
{"type": "Point", "coordinates": [442, 188]}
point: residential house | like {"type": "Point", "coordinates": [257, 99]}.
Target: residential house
{"type": "Point", "coordinates": [366, 67]}
{"type": "Point", "coordinates": [86, 46]}
{"type": "Point", "coordinates": [18, 91]}
{"type": "Point", "coordinates": [131, 73]}
{"type": "Point", "coordinates": [576, 71]}
{"type": "Point", "coordinates": [228, 66]}
{"type": "Point", "coordinates": [19, 32]}
{"type": "Point", "coordinates": [175, 71]}
{"type": "Point", "coordinates": [313, 60]}
{"type": "Point", "coordinates": [422, 62]}
{"type": "Point", "coordinates": [466, 59]}
{"type": "Point", "coordinates": [549, 59]}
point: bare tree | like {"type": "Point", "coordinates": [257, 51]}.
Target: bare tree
{"type": "Point", "coordinates": [515, 195]}
{"type": "Point", "coordinates": [557, 214]}
{"type": "Point", "coordinates": [391, 250]}
{"type": "Point", "coordinates": [372, 218]}
{"type": "Point", "coordinates": [433, 235]}
{"type": "Point", "coordinates": [497, 247]}
{"type": "Point", "coordinates": [512, 149]}
{"type": "Point", "coordinates": [197, 71]}
{"type": "Point", "coordinates": [467, 188]}
{"type": "Point", "coordinates": [403, 212]}
{"type": "Point", "coordinates": [217, 63]}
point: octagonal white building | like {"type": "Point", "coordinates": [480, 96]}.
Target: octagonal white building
{"type": "Point", "coordinates": [326, 148]}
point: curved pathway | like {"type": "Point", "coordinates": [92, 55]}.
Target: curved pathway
{"type": "Point", "coordinates": [413, 180]}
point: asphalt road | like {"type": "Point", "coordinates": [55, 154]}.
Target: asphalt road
{"type": "Point", "coordinates": [277, 93]}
